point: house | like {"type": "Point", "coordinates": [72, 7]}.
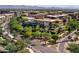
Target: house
{"type": "Point", "coordinates": [36, 15]}
{"type": "Point", "coordinates": [62, 17]}
{"type": "Point", "coordinates": [32, 14]}
{"type": "Point", "coordinates": [56, 16]}
{"type": "Point", "coordinates": [74, 15]}
{"type": "Point", "coordinates": [40, 16]}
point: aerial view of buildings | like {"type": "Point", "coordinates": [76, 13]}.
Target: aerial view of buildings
{"type": "Point", "coordinates": [25, 29]}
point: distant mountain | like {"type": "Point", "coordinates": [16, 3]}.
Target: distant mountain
{"type": "Point", "coordinates": [48, 7]}
{"type": "Point", "coordinates": [62, 6]}
{"type": "Point", "coordinates": [19, 7]}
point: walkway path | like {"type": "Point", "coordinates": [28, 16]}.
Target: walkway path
{"type": "Point", "coordinates": [61, 44]}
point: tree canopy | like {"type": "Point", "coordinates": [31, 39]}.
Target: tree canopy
{"type": "Point", "coordinates": [11, 47]}
{"type": "Point", "coordinates": [73, 48]}
{"type": "Point", "coordinates": [37, 34]}
{"type": "Point", "coordinates": [28, 31]}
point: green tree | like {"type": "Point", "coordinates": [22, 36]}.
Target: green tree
{"type": "Point", "coordinates": [46, 29]}
{"type": "Point", "coordinates": [73, 24]}
{"type": "Point", "coordinates": [37, 34]}
{"type": "Point", "coordinates": [55, 37]}
{"type": "Point", "coordinates": [3, 41]}
{"type": "Point", "coordinates": [66, 27]}
{"type": "Point", "coordinates": [46, 36]}
{"type": "Point", "coordinates": [13, 20]}
{"type": "Point", "coordinates": [0, 31]}
{"type": "Point", "coordinates": [73, 48]}
{"type": "Point", "coordinates": [28, 28]}
{"type": "Point", "coordinates": [60, 30]}
{"type": "Point", "coordinates": [15, 24]}
{"type": "Point", "coordinates": [20, 44]}
{"type": "Point", "coordinates": [37, 28]}
{"type": "Point", "coordinates": [19, 27]}
{"type": "Point", "coordinates": [11, 47]}
{"type": "Point", "coordinates": [28, 31]}
{"type": "Point", "coordinates": [28, 34]}
{"type": "Point", "coordinates": [24, 18]}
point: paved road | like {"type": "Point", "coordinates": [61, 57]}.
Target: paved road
{"type": "Point", "coordinates": [6, 28]}
{"type": "Point", "coordinates": [62, 44]}
{"type": "Point", "coordinates": [5, 24]}
{"type": "Point", "coordinates": [42, 49]}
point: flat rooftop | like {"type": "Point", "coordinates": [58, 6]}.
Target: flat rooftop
{"type": "Point", "coordinates": [48, 20]}
{"type": "Point", "coordinates": [61, 15]}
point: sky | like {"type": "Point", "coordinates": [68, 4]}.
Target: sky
{"type": "Point", "coordinates": [39, 2]}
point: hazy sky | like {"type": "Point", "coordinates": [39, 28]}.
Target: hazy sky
{"type": "Point", "coordinates": [39, 2]}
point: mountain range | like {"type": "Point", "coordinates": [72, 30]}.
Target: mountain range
{"type": "Point", "coordinates": [39, 7]}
